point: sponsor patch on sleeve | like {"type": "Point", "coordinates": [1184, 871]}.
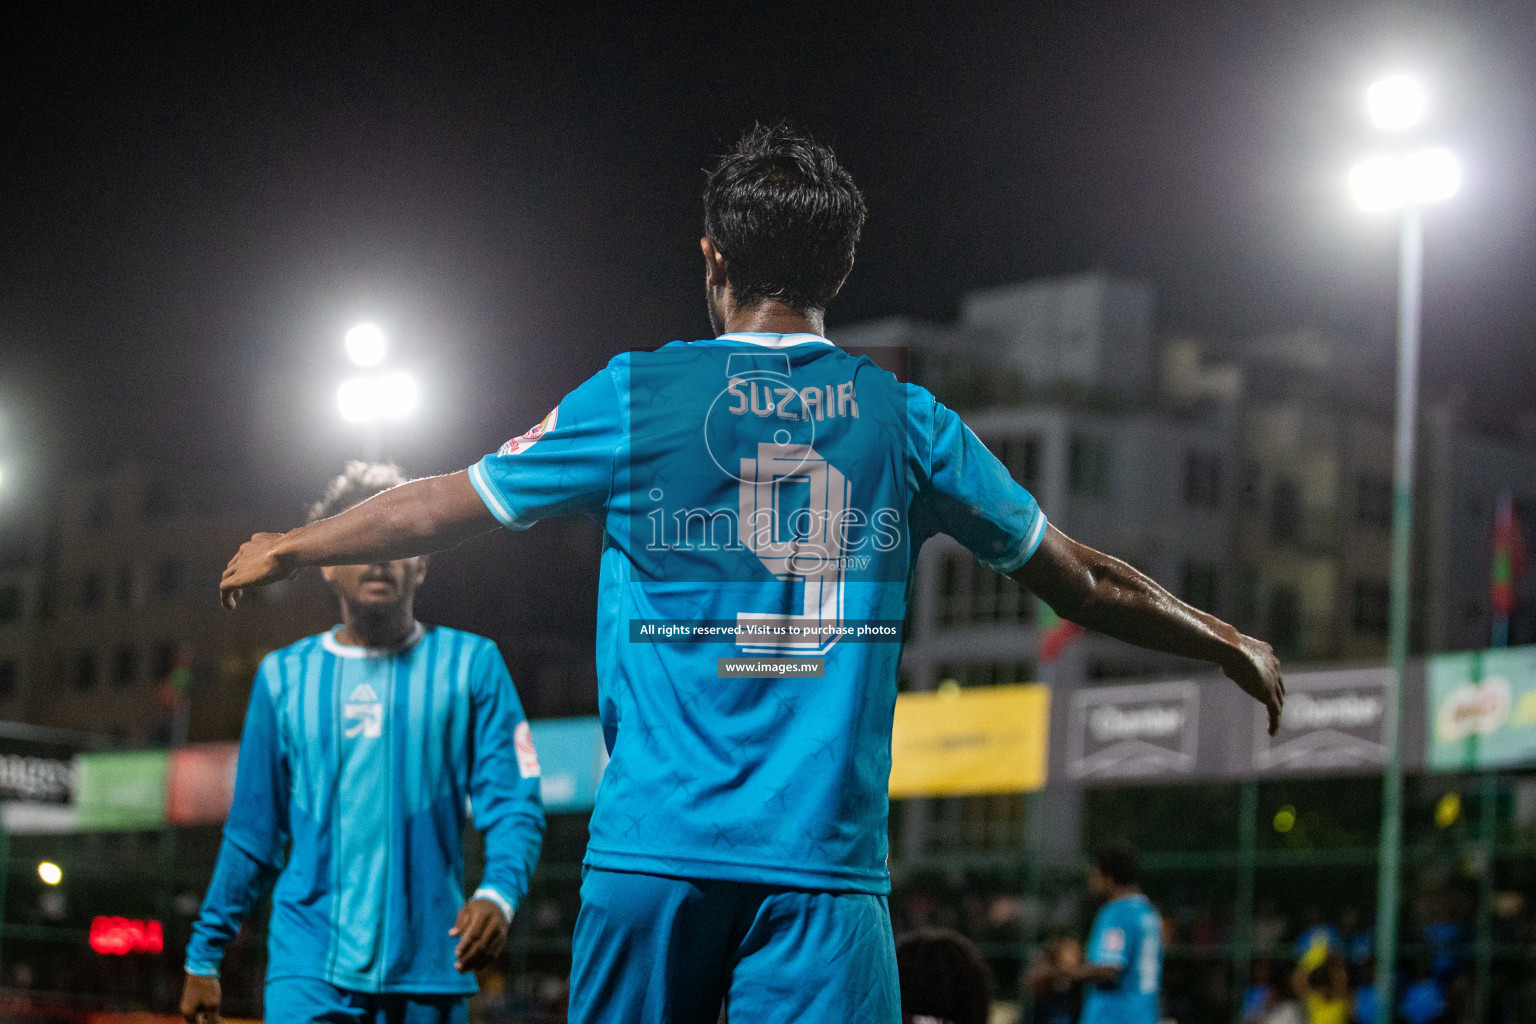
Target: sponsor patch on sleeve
{"type": "Point", "coordinates": [531, 437]}
{"type": "Point", "coordinates": [527, 757]}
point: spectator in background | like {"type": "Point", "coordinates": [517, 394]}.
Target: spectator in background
{"type": "Point", "coordinates": [1321, 984]}
{"type": "Point", "coordinates": [1261, 996]}
{"type": "Point", "coordinates": [944, 979]}
{"type": "Point", "coordinates": [1052, 982]}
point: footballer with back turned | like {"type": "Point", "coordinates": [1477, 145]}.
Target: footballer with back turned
{"type": "Point", "coordinates": [773, 491]}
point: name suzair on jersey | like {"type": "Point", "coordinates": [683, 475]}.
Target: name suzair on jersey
{"type": "Point", "coordinates": [764, 498]}
{"type": "Point", "coordinates": [1128, 934]}
{"type": "Point", "coordinates": [362, 762]}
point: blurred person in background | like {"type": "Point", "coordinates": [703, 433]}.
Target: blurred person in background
{"type": "Point", "coordinates": [944, 979]}
{"type": "Point", "coordinates": [1053, 984]}
{"type": "Point", "coordinates": [1320, 983]}
{"type": "Point", "coordinates": [1123, 973]}
{"type": "Point", "coordinates": [362, 749]}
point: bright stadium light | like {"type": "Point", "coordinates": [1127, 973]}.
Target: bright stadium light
{"type": "Point", "coordinates": [1431, 175]}
{"type": "Point", "coordinates": [393, 396]}
{"type": "Point", "coordinates": [1396, 103]}
{"type": "Point", "coordinates": [1377, 183]}
{"type": "Point", "coordinates": [355, 399]}
{"type": "Point", "coordinates": [1387, 182]}
{"type": "Point", "coordinates": [397, 395]}
{"type": "Point", "coordinates": [366, 345]}
{"type": "Point", "coordinates": [50, 873]}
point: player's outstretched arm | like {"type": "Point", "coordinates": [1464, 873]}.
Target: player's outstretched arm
{"type": "Point", "coordinates": [417, 518]}
{"type": "Point", "coordinates": [1102, 593]}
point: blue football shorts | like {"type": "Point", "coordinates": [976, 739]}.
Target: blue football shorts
{"type": "Point", "coordinates": [314, 1001]}
{"type": "Point", "coordinates": [656, 950]}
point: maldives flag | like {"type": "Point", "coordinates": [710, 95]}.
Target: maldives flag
{"type": "Point", "coordinates": [1508, 556]}
{"type": "Point", "coordinates": [1056, 634]}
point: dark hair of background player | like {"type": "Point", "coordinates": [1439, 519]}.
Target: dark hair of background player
{"type": "Point", "coordinates": [358, 482]}
{"type": "Point", "coordinates": [1119, 864]}
{"type": "Point", "coordinates": [785, 215]}
{"type": "Point", "coordinates": [943, 975]}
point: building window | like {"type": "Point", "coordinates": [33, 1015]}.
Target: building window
{"type": "Point", "coordinates": [1247, 596]}
{"type": "Point", "coordinates": [1373, 501]}
{"type": "Point", "coordinates": [997, 598]}
{"type": "Point", "coordinates": [1203, 479]}
{"type": "Point", "coordinates": [10, 604]}
{"type": "Point", "coordinates": [91, 589]}
{"type": "Point", "coordinates": [85, 669]}
{"type": "Point", "coordinates": [1284, 621]}
{"type": "Point", "coordinates": [1201, 585]}
{"type": "Point", "coordinates": [1088, 466]}
{"type": "Point", "coordinates": [98, 511]}
{"type": "Point", "coordinates": [168, 573]}
{"type": "Point", "coordinates": [1372, 607]}
{"type": "Point", "coordinates": [1022, 456]}
{"type": "Point", "coordinates": [1285, 513]}
{"type": "Point", "coordinates": [162, 661]}
{"type": "Point", "coordinates": [951, 567]}
{"type": "Point", "coordinates": [159, 501]}
{"type": "Point", "coordinates": [1250, 488]}
{"type": "Point", "coordinates": [7, 679]}
{"type": "Point", "coordinates": [988, 673]}
{"type": "Point", "coordinates": [122, 586]}
{"type": "Point", "coordinates": [125, 665]}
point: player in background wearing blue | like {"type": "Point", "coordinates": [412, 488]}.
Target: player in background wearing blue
{"type": "Point", "coordinates": [362, 748]}
{"type": "Point", "coordinates": [1122, 975]}
{"type": "Point", "coordinates": [766, 493]}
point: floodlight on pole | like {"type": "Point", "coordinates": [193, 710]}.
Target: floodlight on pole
{"type": "Point", "coordinates": [1404, 182]}
{"type": "Point", "coordinates": [366, 345]}
{"type": "Point", "coordinates": [50, 873]}
{"type": "Point", "coordinates": [1396, 103]}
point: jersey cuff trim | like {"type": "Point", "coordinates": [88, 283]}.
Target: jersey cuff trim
{"type": "Point", "coordinates": [485, 892]}
{"type": "Point", "coordinates": [201, 968]}
{"type": "Point", "coordinates": [1025, 553]}
{"type": "Point", "coordinates": [483, 487]}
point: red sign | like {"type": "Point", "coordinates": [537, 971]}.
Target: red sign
{"type": "Point", "coordinates": [200, 783]}
{"type": "Point", "coordinates": [119, 936]}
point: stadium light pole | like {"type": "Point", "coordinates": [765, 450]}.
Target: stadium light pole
{"type": "Point", "coordinates": [1404, 182]}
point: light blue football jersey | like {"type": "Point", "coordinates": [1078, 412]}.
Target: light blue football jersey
{"type": "Point", "coordinates": [359, 764]}
{"type": "Point", "coordinates": [764, 498]}
{"type": "Point", "coordinates": [1127, 933]}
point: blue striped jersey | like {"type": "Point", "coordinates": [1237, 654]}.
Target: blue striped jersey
{"type": "Point", "coordinates": [361, 764]}
{"type": "Point", "coordinates": [764, 498]}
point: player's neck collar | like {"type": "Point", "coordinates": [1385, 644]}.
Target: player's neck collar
{"type": "Point", "coordinates": [332, 645]}
{"type": "Point", "coordinates": [768, 340]}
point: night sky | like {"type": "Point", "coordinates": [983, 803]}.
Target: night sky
{"type": "Point", "coordinates": [197, 204]}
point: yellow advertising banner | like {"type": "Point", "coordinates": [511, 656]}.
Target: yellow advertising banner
{"type": "Point", "coordinates": [990, 739]}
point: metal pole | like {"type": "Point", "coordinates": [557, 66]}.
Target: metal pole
{"type": "Point", "coordinates": [1409, 278]}
{"type": "Point", "coordinates": [1487, 842]}
{"type": "Point", "coordinates": [1242, 930]}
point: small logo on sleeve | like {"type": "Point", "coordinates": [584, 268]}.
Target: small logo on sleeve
{"type": "Point", "coordinates": [365, 712]}
{"type": "Point", "coordinates": [527, 757]}
{"type": "Point", "coordinates": [531, 437]}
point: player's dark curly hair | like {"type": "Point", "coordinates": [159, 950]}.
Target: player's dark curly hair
{"type": "Point", "coordinates": [1120, 864]}
{"type": "Point", "coordinates": [786, 216]}
{"type": "Point", "coordinates": [358, 482]}
{"type": "Point", "coordinates": [943, 975]}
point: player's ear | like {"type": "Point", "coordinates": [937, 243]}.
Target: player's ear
{"type": "Point", "coordinates": [421, 568]}
{"type": "Point", "coordinates": [328, 573]}
{"type": "Point", "coordinates": [714, 264]}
